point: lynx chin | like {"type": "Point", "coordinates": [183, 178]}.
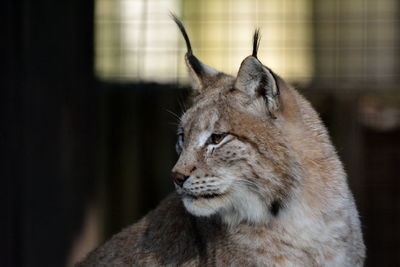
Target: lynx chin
{"type": "Point", "coordinates": [258, 182]}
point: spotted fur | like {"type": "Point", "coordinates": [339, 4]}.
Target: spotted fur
{"type": "Point", "coordinates": [258, 183]}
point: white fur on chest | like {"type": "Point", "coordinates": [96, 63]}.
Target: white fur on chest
{"type": "Point", "coordinates": [297, 238]}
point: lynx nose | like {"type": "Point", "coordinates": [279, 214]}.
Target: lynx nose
{"type": "Point", "coordinates": [179, 178]}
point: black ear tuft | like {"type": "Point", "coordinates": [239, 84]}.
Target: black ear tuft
{"type": "Point", "coordinates": [256, 42]}
{"type": "Point", "coordinates": [201, 74]}
{"type": "Point", "coordinates": [183, 31]}
{"type": "Point", "coordinates": [192, 60]}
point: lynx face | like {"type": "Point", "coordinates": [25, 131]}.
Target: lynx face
{"type": "Point", "coordinates": [234, 159]}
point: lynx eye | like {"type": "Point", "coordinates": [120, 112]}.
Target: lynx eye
{"type": "Point", "coordinates": [215, 139]}
{"type": "Point", "coordinates": [179, 143]}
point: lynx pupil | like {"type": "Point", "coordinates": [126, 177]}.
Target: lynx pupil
{"type": "Point", "coordinates": [215, 139]}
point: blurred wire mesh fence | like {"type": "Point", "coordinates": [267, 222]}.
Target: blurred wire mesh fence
{"type": "Point", "coordinates": [347, 43]}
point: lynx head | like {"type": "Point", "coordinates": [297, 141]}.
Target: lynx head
{"type": "Point", "coordinates": [235, 161]}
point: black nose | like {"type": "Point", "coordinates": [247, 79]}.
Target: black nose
{"type": "Point", "coordinates": [179, 178]}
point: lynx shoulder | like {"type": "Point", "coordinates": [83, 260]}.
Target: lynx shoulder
{"type": "Point", "coordinates": [258, 182]}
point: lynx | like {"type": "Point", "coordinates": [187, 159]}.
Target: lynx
{"type": "Point", "coordinates": [258, 182]}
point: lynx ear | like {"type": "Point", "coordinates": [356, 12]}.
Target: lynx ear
{"type": "Point", "coordinates": [257, 80]}
{"type": "Point", "coordinates": [200, 73]}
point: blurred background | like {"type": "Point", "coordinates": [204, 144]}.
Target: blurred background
{"type": "Point", "coordinates": [88, 90]}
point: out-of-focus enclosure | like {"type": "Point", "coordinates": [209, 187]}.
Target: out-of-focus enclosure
{"type": "Point", "coordinates": [89, 90]}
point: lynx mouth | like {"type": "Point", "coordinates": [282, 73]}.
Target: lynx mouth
{"type": "Point", "coordinates": [205, 196]}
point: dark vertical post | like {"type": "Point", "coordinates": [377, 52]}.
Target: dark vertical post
{"type": "Point", "coordinates": [47, 134]}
